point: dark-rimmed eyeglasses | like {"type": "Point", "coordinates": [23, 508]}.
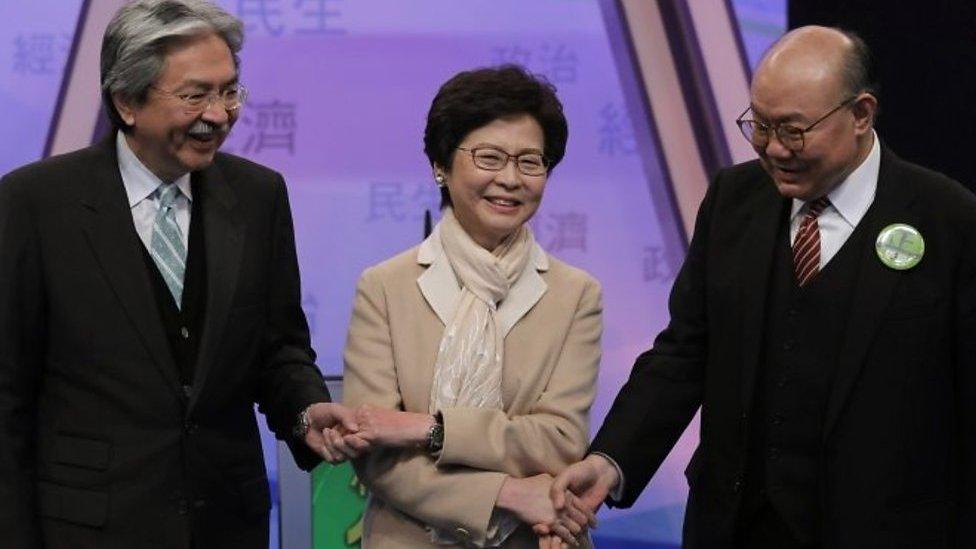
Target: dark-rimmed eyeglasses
{"type": "Point", "coordinates": [492, 159]}
{"type": "Point", "coordinates": [231, 98]}
{"type": "Point", "coordinates": [790, 136]}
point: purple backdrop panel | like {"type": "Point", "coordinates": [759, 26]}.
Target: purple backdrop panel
{"type": "Point", "coordinates": [35, 41]}
{"type": "Point", "coordinates": [761, 22]}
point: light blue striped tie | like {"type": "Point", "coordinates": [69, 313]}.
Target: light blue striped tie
{"type": "Point", "coordinates": [166, 245]}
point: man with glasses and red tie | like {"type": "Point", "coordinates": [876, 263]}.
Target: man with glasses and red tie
{"type": "Point", "coordinates": [825, 323]}
{"type": "Point", "coordinates": [149, 297]}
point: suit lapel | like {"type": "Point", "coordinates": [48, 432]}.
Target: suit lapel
{"type": "Point", "coordinates": [109, 228]}
{"type": "Point", "coordinates": [438, 284]}
{"type": "Point", "coordinates": [525, 293]}
{"type": "Point", "coordinates": [873, 287]}
{"type": "Point", "coordinates": [768, 211]}
{"type": "Point", "coordinates": [224, 243]}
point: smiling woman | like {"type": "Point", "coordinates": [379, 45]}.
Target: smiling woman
{"type": "Point", "coordinates": [473, 357]}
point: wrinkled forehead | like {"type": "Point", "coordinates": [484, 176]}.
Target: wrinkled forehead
{"type": "Point", "coordinates": [793, 94]}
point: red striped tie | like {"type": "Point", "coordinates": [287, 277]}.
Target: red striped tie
{"type": "Point", "coordinates": [806, 247]}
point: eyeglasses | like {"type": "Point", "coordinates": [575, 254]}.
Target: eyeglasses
{"type": "Point", "coordinates": [231, 99]}
{"type": "Point", "coordinates": [492, 159]}
{"type": "Point", "coordinates": [790, 136]}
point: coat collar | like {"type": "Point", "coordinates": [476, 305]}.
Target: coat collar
{"type": "Point", "coordinates": [440, 286]}
{"type": "Point", "coordinates": [108, 227]}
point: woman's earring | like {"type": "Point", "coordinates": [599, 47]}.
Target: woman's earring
{"type": "Point", "coordinates": [439, 179]}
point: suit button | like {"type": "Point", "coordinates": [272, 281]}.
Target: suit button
{"type": "Point", "coordinates": [737, 485]}
{"type": "Point", "coordinates": [199, 504]}
{"type": "Point", "coordinates": [462, 533]}
{"type": "Point", "coordinates": [184, 333]}
{"type": "Point", "coordinates": [182, 507]}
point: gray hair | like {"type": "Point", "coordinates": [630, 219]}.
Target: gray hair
{"type": "Point", "coordinates": [137, 39]}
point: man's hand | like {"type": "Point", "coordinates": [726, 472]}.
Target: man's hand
{"type": "Point", "coordinates": [579, 489]}
{"type": "Point", "coordinates": [590, 480]}
{"type": "Point", "coordinates": [328, 422]}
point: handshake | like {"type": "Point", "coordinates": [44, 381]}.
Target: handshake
{"type": "Point", "coordinates": [575, 495]}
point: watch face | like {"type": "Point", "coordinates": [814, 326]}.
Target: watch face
{"type": "Point", "coordinates": [437, 437]}
{"type": "Point", "coordinates": [301, 428]}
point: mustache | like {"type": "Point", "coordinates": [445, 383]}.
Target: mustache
{"type": "Point", "coordinates": [202, 127]}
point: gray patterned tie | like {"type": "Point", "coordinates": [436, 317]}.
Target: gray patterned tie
{"type": "Point", "coordinates": [166, 245]}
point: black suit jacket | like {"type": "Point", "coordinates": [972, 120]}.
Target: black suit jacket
{"type": "Point", "coordinates": [898, 455]}
{"type": "Point", "coordinates": [99, 443]}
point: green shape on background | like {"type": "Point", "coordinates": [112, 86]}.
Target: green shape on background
{"type": "Point", "coordinates": [338, 502]}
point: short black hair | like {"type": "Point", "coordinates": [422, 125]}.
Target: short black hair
{"type": "Point", "coordinates": [472, 99]}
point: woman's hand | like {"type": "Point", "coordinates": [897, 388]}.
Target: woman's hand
{"type": "Point", "coordinates": [528, 499]}
{"type": "Point", "coordinates": [392, 428]}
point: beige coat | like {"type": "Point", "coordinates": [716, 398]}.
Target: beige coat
{"type": "Point", "coordinates": [552, 322]}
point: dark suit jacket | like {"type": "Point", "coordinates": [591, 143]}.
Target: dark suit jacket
{"type": "Point", "coordinates": [99, 444]}
{"type": "Point", "coordinates": [898, 456]}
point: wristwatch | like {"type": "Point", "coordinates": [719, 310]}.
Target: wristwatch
{"type": "Point", "coordinates": [435, 436]}
{"type": "Point", "coordinates": [302, 425]}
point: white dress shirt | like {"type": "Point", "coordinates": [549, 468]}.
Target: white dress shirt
{"type": "Point", "coordinates": [140, 187]}
{"type": "Point", "coordinates": [849, 201]}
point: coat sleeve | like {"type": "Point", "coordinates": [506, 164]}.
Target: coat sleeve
{"type": "Point", "coordinates": [665, 386]}
{"type": "Point", "coordinates": [407, 479]}
{"type": "Point", "coordinates": [22, 329]}
{"type": "Point", "coordinates": [290, 380]}
{"type": "Point", "coordinates": [554, 432]}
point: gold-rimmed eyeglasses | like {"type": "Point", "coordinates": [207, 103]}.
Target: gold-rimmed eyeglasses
{"type": "Point", "coordinates": [231, 98]}
{"type": "Point", "coordinates": [790, 136]}
{"type": "Point", "coordinates": [492, 159]}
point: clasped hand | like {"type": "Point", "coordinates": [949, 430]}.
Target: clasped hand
{"type": "Point", "coordinates": [345, 433]}
{"type": "Point", "coordinates": [576, 493]}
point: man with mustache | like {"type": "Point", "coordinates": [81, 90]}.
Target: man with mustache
{"type": "Point", "coordinates": [149, 297]}
{"type": "Point", "coordinates": [824, 323]}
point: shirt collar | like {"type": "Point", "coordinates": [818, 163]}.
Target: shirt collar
{"type": "Point", "coordinates": [139, 182]}
{"type": "Point", "coordinates": [854, 195]}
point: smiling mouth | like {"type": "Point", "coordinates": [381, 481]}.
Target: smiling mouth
{"type": "Point", "coordinates": [202, 132]}
{"type": "Point", "coordinates": [503, 202]}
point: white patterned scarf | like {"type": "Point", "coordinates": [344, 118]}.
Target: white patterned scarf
{"type": "Point", "coordinates": [468, 368]}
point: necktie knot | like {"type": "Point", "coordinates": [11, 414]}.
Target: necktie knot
{"type": "Point", "coordinates": [168, 193]}
{"type": "Point", "coordinates": [816, 207]}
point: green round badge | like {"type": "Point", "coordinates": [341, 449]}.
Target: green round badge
{"type": "Point", "coordinates": [900, 246]}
